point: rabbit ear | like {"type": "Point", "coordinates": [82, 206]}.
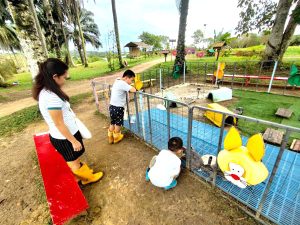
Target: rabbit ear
{"type": "Point", "coordinates": [256, 147]}
{"type": "Point", "coordinates": [233, 139]}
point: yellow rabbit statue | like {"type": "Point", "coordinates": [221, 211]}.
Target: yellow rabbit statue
{"type": "Point", "coordinates": [242, 165]}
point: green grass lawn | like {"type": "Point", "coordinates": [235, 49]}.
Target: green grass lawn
{"type": "Point", "coordinates": [263, 106]}
{"type": "Point", "coordinates": [79, 72]}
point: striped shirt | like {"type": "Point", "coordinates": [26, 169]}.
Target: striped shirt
{"type": "Point", "coordinates": [50, 101]}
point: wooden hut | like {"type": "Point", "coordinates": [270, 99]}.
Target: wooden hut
{"type": "Point", "coordinates": [136, 48]}
{"type": "Point", "coordinates": [218, 46]}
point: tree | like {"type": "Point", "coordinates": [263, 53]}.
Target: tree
{"type": "Point", "coordinates": [51, 27]}
{"type": "Point", "coordinates": [266, 14]}
{"type": "Point", "coordinates": [90, 32]}
{"type": "Point", "coordinates": [28, 35]}
{"type": "Point", "coordinates": [113, 5]}
{"type": "Point", "coordinates": [183, 6]}
{"type": "Point", "coordinates": [155, 41]}
{"type": "Point", "coordinates": [198, 36]}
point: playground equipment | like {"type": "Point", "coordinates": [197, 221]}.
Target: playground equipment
{"type": "Point", "coordinates": [65, 199]}
{"type": "Point", "coordinates": [242, 165]}
{"type": "Point", "coordinates": [222, 94]}
{"type": "Point", "coordinates": [138, 84]}
{"type": "Point", "coordinates": [219, 73]}
{"type": "Point", "coordinates": [294, 78]}
{"type": "Point", "coordinates": [216, 118]}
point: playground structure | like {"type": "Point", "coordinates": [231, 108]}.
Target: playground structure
{"type": "Point", "coordinates": [177, 107]}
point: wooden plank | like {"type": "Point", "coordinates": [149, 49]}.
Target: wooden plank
{"type": "Point", "coordinates": [273, 136]}
{"type": "Point", "coordinates": [282, 112]}
{"type": "Point", "coordinates": [295, 145]}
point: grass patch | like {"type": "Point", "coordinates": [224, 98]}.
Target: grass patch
{"type": "Point", "coordinates": [95, 69]}
{"type": "Point", "coordinates": [263, 106]}
{"type": "Point", "coordinates": [18, 121]}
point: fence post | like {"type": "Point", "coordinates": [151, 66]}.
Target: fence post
{"type": "Point", "coordinates": [168, 118]}
{"type": "Point", "coordinates": [219, 148]}
{"type": "Point", "coordinates": [137, 113]}
{"type": "Point", "coordinates": [273, 74]}
{"type": "Point", "coordinates": [141, 100]}
{"type": "Point", "coordinates": [266, 192]}
{"type": "Point", "coordinates": [184, 72]}
{"type": "Point", "coordinates": [128, 113]}
{"type": "Point", "coordinates": [205, 72]}
{"type": "Point", "coordinates": [189, 138]}
{"type": "Point", "coordinates": [149, 117]}
{"type": "Point", "coordinates": [232, 79]}
{"type": "Point", "coordinates": [95, 95]}
{"type": "Point", "coordinates": [160, 82]}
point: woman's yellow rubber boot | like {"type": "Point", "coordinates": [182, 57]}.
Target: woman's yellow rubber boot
{"type": "Point", "coordinates": [118, 137]}
{"type": "Point", "coordinates": [110, 137]}
{"type": "Point", "coordinates": [86, 176]}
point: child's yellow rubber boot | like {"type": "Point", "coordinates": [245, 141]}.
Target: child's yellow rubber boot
{"type": "Point", "coordinates": [118, 137]}
{"type": "Point", "coordinates": [110, 137]}
{"type": "Point", "coordinates": [86, 176]}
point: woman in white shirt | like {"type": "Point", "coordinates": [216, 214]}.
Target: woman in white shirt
{"type": "Point", "coordinates": [55, 109]}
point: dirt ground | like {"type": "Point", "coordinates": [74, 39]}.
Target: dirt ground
{"type": "Point", "coordinates": [121, 197]}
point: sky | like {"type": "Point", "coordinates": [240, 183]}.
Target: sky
{"type": "Point", "coordinates": [161, 17]}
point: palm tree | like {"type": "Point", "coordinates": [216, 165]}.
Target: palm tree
{"type": "Point", "coordinates": [113, 5]}
{"type": "Point", "coordinates": [51, 26]}
{"type": "Point", "coordinates": [27, 32]}
{"type": "Point", "coordinates": [60, 18]}
{"type": "Point", "coordinates": [183, 10]}
{"type": "Point", "coordinates": [90, 32]}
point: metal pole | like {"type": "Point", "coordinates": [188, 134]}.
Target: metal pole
{"type": "Point", "coordinates": [149, 117]}
{"type": "Point", "coordinates": [160, 82]}
{"type": "Point", "coordinates": [184, 72]}
{"type": "Point", "coordinates": [168, 119]}
{"type": "Point", "coordinates": [142, 110]}
{"type": "Point", "coordinates": [217, 74]}
{"type": "Point", "coordinates": [273, 73]}
{"type": "Point", "coordinates": [219, 148]}
{"type": "Point", "coordinates": [232, 80]}
{"type": "Point", "coordinates": [189, 138]}
{"type": "Point", "coordinates": [137, 113]}
{"type": "Point", "coordinates": [128, 113]}
{"type": "Point", "coordinates": [264, 197]}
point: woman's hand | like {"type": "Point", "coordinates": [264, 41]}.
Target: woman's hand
{"type": "Point", "coordinates": [76, 146]}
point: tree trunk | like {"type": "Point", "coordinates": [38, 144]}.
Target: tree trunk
{"type": "Point", "coordinates": [180, 51]}
{"type": "Point", "coordinates": [37, 23]}
{"type": "Point", "coordinates": [274, 43]}
{"type": "Point", "coordinates": [81, 34]}
{"type": "Point", "coordinates": [66, 40]}
{"type": "Point", "coordinates": [27, 32]}
{"type": "Point", "coordinates": [52, 27]}
{"type": "Point", "coordinates": [113, 5]}
{"type": "Point", "coordinates": [287, 36]}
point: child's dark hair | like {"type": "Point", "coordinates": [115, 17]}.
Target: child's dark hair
{"type": "Point", "coordinates": [129, 74]}
{"type": "Point", "coordinates": [44, 78]}
{"type": "Point", "coordinates": [175, 143]}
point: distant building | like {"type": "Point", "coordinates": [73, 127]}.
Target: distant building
{"type": "Point", "coordinates": [136, 48]}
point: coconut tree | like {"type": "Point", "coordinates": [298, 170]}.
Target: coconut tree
{"type": "Point", "coordinates": [27, 32]}
{"type": "Point", "coordinates": [90, 32]}
{"type": "Point", "coordinates": [183, 6]}
{"type": "Point", "coordinates": [113, 5]}
{"type": "Point", "coordinates": [52, 27]}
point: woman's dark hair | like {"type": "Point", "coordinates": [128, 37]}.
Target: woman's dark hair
{"type": "Point", "coordinates": [44, 78]}
{"type": "Point", "coordinates": [129, 74]}
{"type": "Point", "coordinates": [175, 143]}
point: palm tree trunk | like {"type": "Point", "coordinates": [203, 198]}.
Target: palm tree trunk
{"type": "Point", "coordinates": [80, 54]}
{"type": "Point", "coordinates": [81, 34]}
{"type": "Point", "coordinates": [274, 43]}
{"type": "Point", "coordinates": [27, 32]}
{"type": "Point", "coordinates": [113, 4]}
{"type": "Point", "coordinates": [42, 37]}
{"type": "Point", "coordinates": [52, 27]}
{"type": "Point", "coordinates": [66, 40]}
{"type": "Point", "coordinates": [180, 55]}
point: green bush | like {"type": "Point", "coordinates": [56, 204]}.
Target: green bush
{"type": "Point", "coordinates": [7, 70]}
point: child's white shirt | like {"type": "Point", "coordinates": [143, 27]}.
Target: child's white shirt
{"type": "Point", "coordinates": [166, 167]}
